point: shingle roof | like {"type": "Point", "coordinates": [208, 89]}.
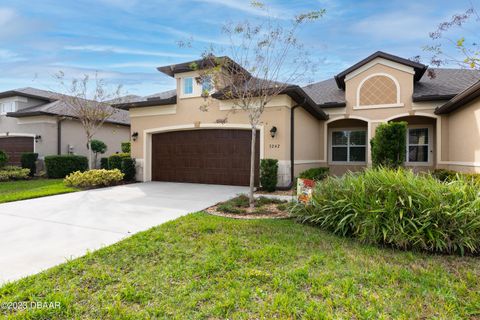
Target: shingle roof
{"type": "Point", "coordinates": [444, 85]}
{"type": "Point", "coordinates": [156, 99]}
{"type": "Point", "coordinates": [54, 106]}
{"type": "Point", "coordinates": [460, 100]}
{"type": "Point", "coordinates": [326, 93]}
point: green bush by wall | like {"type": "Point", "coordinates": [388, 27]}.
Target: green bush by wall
{"type": "Point", "coordinates": [125, 147]}
{"type": "Point", "coordinates": [104, 163]}
{"type": "Point", "coordinates": [389, 144]}
{"type": "Point", "coordinates": [128, 169]}
{"type": "Point", "coordinates": [3, 158]}
{"type": "Point", "coordinates": [28, 161]}
{"type": "Point", "coordinates": [268, 174]}
{"type": "Point", "coordinates": [115, 160]}
{"type": "Point", "coordinates": [398, 208]}
{"type": "Point", "coordinates": [63, 165]}
{"type": "Point", "coordinates": [314, 173]}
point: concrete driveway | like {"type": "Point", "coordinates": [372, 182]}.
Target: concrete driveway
{"type": "Point", "coordinates": [40, 233]}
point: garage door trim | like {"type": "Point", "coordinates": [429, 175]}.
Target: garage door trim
{"type": "Point", "coordinates": [147, 139]}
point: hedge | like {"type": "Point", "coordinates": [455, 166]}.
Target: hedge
{"type": "Point", "coordinates": [398, 208]}
{"type": "Point", "coordinates": [128, 169]}
{"type": "Point", "coordinates": [3, 158]}
{"type": "Point", "coordinates": [28, 161]}
{"type": "Point", "coordinates": [115, 160]}
{"type": "Point", "coordinates": [8, 173]}
{"type": "Point", "coordinates": [268, 174]}
{"type": "Point", "coordinates": [104, 163]}
{"type": "Point", "coordinates": [63, 165]}
{"type": "Point", "coordinates": [94, 178]}
{"type": "Point", "coordinates": [314, 173]}
{"type": "Point", "coordinates": [125, 147]}
{"type": "Point", "coordinates": [389, 144]}
{"type": "Point", "coordinates": [445, 175]}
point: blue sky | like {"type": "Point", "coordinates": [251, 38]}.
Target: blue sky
{"type": "Point", "coordinates": [125, 40]}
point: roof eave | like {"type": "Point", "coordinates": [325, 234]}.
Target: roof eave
{"type": "Point", "coordinates": [146, 103]}
{"type": "Point", "coordinates": [44, 113]}
{"type": "Point", "coordinates": [433, 97]}
{"type": "Point", "coordinates": [13, 93]}
{"type": "Point", "coordinates": [463, 98]}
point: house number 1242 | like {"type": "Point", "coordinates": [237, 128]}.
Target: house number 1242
{"type": "Point", "coordinates": [274, 146]}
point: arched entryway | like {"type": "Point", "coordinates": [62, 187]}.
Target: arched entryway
{"type": "Point", "coordinates": [347, 144]}
{"type": "Point", "coordinates": [420, 140]}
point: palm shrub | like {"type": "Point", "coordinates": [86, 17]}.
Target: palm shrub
{"type": "Point", "coordinates": [389, 144]}
{"type": "Point", "coordinates": [268, 174]}
{"type": "Point", "coordinates": [397, 208]}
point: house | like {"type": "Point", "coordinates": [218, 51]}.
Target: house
{"type": "Point", "coordinates": [329, 123]}
{"type": "Point", "coordinates": [33, 120]}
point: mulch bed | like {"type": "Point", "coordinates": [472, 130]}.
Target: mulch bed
{"type": "Point", "coordinates": [269, 211]}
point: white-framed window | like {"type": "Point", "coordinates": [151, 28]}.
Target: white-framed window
{"type": "Point", "coordinates": [6, 107]}
{"type": "Point", "coordinates": [349, 145]}
{"type": "Point", "coordinates": [418, 145]}
{"type": "Point", "coordinates": [188, 85]}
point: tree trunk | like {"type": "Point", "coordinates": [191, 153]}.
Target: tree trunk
{"type": "Point", "coordinates": [89, 145]}
{"type": "Point", "coordinates": [252, 167]}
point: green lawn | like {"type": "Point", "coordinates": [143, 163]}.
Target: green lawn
{"type": "Point", "coordinates": [27, 189]}
{"type": "Point", "coordinates": [202, 266]}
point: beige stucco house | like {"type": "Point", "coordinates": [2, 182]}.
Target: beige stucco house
{"type": "Point", "coordinates": [329, 123]}
{"type": "Point", "coordinates": [34, 120]}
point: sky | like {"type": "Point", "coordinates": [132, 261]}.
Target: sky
{"type": "Point", "coordinates": [125, 40]}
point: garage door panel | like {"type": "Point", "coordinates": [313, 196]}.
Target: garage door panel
{"type": "Point", "coordinates": [15, 147]}
{"type": "Point", "coordinates": [214, 156]}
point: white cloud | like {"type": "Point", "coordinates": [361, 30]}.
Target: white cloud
{"type": "Point", "coordinates": [120, 50]}
{"type": "Point", "coordinates": [399, 25]}
{"type": "Point", "coordinates": [13, 25]}
{"type": "Point", "coordinates": [247, 7]}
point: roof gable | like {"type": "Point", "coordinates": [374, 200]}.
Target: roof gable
{"type": "Point", "coordinates": [418, 68]}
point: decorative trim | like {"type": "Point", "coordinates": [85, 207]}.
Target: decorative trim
{"type": "Point", "coordinates": [382, 61]}
{"type": "Point", "coordinates": [378, 106]}
{"type": "Point", "coordinates": [460, 163]}
{"type": "Point", "coordinates": [154, 111]}
{"type": "Point", "coordinates": [147, 139]}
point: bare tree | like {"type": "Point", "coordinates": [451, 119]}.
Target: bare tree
{"type": "Point", "coordinates": [463, 50]}
{"type": "Point", "coordinates": [259, 63]}
{"type": "Point", "coordinates": [88, 101]}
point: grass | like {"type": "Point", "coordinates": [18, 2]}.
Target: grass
{"type": "Point", "coordinates": [208, 267]}
{"type": "Point", "coordinates": [28, 189]}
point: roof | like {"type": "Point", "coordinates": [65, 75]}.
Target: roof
{"type": "Point", "coordinates": [53, 106]}
{"type": "Point", "coordinates": [466, 96]}
{"type": "Point", "coordinates": [157, 99]}
{"type": "Point", "coordinates": [204, 63]}
{"type": "Point", "coordinates": [418, 67]}
{"type": "Point", "coordinates": [444, 85]}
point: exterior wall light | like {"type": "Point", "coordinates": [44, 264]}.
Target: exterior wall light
{"type": "Point", "coordinates": [273, 132]}
{"type": "Point", "coordinates": [38, 138]}
{"type": "Point", "coordinates": [135, 136]}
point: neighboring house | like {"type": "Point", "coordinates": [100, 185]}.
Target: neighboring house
{"type": "Point", "coordinates": [329, 123]}
{"type": "Point", "coordinates": [33, 120]}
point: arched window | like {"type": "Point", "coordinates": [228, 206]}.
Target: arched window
{"type": "Point", "coordinates": [378, 90]}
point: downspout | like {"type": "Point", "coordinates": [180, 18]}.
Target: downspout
{"type": "Point", "coordinates": [59, 135]}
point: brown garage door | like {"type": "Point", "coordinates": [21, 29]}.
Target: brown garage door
{"type": "Point", "coordinates": [214, 156]}
{"type": "Point", "coordinates": [15, 146]}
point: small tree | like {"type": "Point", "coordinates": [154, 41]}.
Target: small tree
{"type": "Point", "coordinates": [262, 60]}
{"type": "Point", "coordinates": [97, 147]}
{"type": "Point", "coordinates": [3, 158]}
{"type": "Point", "coordinates": [89, 102]}
{"type": "Point", "coordinates": [389, 144]}
{"type": "Point", "coordinates": [466, 49]}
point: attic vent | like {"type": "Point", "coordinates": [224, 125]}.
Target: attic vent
{"type": "Point", "coordinates": [378, 90]}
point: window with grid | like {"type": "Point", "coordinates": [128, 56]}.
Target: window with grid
{"type": "Point", "coordinates": [349, 145]}
{"type": "Point", "coordinates": [378, 90]}
{"type": "Point", "coordinates": [417, 145]}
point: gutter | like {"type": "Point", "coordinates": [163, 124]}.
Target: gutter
{"type": "Point", "coordinates": [59, 135]}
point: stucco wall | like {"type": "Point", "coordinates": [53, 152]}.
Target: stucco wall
{"type": "Point", "coordinates": [464, 135]}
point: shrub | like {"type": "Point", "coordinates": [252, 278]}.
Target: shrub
{"type": "Point", "coordinates": [125, 147]}
{"type": "Point", "coordinates": [115, 160]}
{"type": "Point", "coordinates": [314, 173]}
{"type": "Point", "coordinates": [389, 144]}
{"type": "Point", "coordinates": [94, 178]}
{"type": "Point", "coordinates": [8, 173]}
{"type": "Point", "coordinates": [128, 169]}
{"type": "Point", "coordinates": [3, 158]}
{"type": "Point", "coordinates": [450, 175]}
{"type": "Point", "coordinates": [28, 161]}
{"type": "Point", "coordinates": [98, 146]}
{"type": "Point", "coordinates": [268, 174]}
{"type": "Point", "coordinates": [61, 166]}
{"type": "Point", "coordinates": [399, 209]}
{"type": "Point", "coordinates": [104, 163]}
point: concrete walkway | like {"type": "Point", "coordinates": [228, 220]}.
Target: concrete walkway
{"type": "Point", "coordinates": [40, 233]}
